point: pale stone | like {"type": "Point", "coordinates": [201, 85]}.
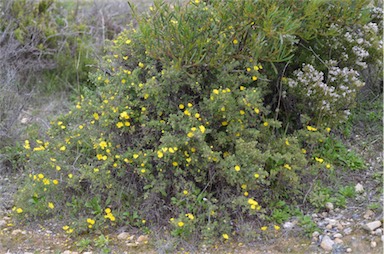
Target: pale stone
{"type": "Point", "coordinates": [142, 239]}
{"type": "Point", "coordinates": [337, 235]}
{"type": "Point", "coordinates": [378, 231]}
{"type": "Point", "coordinates": [373, 244]}
{"type": "Point", "coordinates": [359, 188]}
{"type": "Point", "coordinates": [288, 225]}
{"type": "Point", "coordinates": [368, 214]}
{"type": "Point", "coordinates": [3, 223]}
{"type": "Point", "coordinates": [347, 231]}
{"type": "Point", "coordinates": [329, 206]}
{"type": "Point", "coordinates": [349, 250]}
{"type": "Point", "coordinates": [131, 244]}
{"type": "Point", "coordinates": [16, 231]}
{"type": "Point", "coordinates": [67, 252]}
{"type": "Point", "coordinates": [371, 226]}
{"type": "Point", "coordinates": [338, 240]}
{"type": "Point", "coordinates": [88, 252]}
{"type": "Point", "coordinates": [327, 243]}
{"type": "Point", "coordinates": [123, 236]}
{"type": "Point", "coordinates": [315, 234]}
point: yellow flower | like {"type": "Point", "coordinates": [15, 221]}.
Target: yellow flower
{"type": "Point", "coordinates": [96, 116]}
{"type": "Point", "coordinates": [190, 216]}
{"type": "Point", "coordinates": [55, 182]}
{"type": "Point", "coordinates": [65, 227]}
{"type": "Point", "coordinates": [328, 129]}
{"type": "Point", "coordinates": [256, 175]}
{"type": "Point", "coordinates": [235, 41]}
{"type": "Point", "coordinates": [128, 41]}
{"type": "Point", "coordinates": [58, 168]}
{"type": "Point", "coordinates": [256, 68]}
{"type": "Point", "coordinates": [175, 164]}
{"type": "Point", "coordinates": [51, 205]}
{"type": "Point", "coordinates": [185, 192]}
{"type": "Point", "coordinates": [224, 123]}
{"type": "Point", "coordinates": [251, 201]}
{"type": "Point", "coordinates": [303, 150]}
{"type": "Point", "coordinates": [187, 113]}
{"type": "Point", "coordinates": [276, 227]}
{"type": "Point", "coordinates": [225, 236]}
{"type": "Point", "coordinates": [19, 210]}
{"type": "Point", "coordinates": [107, 210]}
{"type": "Point", "coordinates": [264, 228]}
{"type": "Point", "coordinates": [124, 115]}
{"type": "Point", "coordinates": [242, 112]}
{"type": "Point", "coordinates": [237, 168]}
{"type": "Point", "coordinates": [135, 156]}
{"type": "Point", "coordinates": [254, 78]}
{"type": "Point", "coordinates": [70, 175]}
{"type": "Point", "coordinates": [141, 65]}
{"type": "Point", "coordinates": [103, 144]}
{"type": "Point", "coordinates": [202, 128]}
{"type": "Point", "coordinates": [287, 142]}
{"type": "Point", "coordinates": [265, 124]}
{"type": "Point", "coordinates": [90, 221]}
{"type": "Point", "coordinates": [328, 166]}
{"type": "Point", "coordinates": [181, 106]}
{"type": "Point", "coordinates": [119, 125]}
{"type": "Point", "coordinates": [95, 170]}
{"type": "Point", "coordinates": [62, 148]}
{"type": "Point", "coordinates": [189, 105]}
{"type": "Point", "coordinates": [319, 159]}
{"type": "Point", "coordinates": [160, 154]}
{"type": "Point", "coordinates": [310, 128]}
{"type": "Point", "coordinates": [215, 91]}
{"type": "Point", "coordinates": [180, 223]}
{"type": "Point", "coordinates": [287, 166]}
{"type": "Point", "coordinates": [190, 134]}
{"type": "Point", "coordinates": [246, 193]}
{"type": "Point", "coordinates": [27, 145]}
{"type": "Point", "coordinates": [197, 115]}
{"type": "Point", "coordinates": [40, 176]}
{"type": "Point", "coordinates": [257, 111]}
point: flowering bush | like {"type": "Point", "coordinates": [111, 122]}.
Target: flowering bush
{"type": "Point", "coordinates": [184, 129]}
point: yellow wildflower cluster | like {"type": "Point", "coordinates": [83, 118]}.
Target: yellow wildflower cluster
{"type": "Point", "coordinates": [109, 214]}
{"type": "Point", "coordinates": [90, 222]}
{"type": "Point", "coordinates": [254, 204]}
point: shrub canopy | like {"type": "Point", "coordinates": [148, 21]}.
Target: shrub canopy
{"type": "Point", "coordinates": [205, 113]}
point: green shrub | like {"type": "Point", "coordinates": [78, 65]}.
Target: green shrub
{"type": "Point", "coordinates": [185, 128]}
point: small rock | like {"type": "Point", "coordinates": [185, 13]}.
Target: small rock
{"type": "Point", "coordinates": [339, 226]}
{"type": "Point", "coordinates": [329, 206]}
{"type": "Point", "coordinates": [337, 235]}
{"type": "Point", "coordinates": [371, 226]}
{"type": "Point", "coordinates": [288, 225]}
{"type": "Point", "coordinates": [373, 244]}
{"type": "Point", "coordinates": [16, 231]}
{"type": "Point", "coordinates": [347, 231]}
{"type": "Point", "coordinates": [324, 214]}
{"type": "Point", "coordinates": [142, 239]}
{"type": "Point", "coordinates": [378, 231]}
{"type": "Point", "coordinates": [368, 214]}
{"type": "Point", "coordinates": [337, 210]}
{"type": "Point", "coordinates": [359, 188]}
{"type": "Point", "coordinates": [6, 218]}
{"type": "Point", "coordinates": [3, 223]}
{"type": "Point", "coordinates": [67, 252]}
{"type": "Point", "coordinates": [315, 215]}
{"type": "Point", "coordinates": [327, 243]}
{"type": "Point", "coordinates": [338, 240]}
{"type": "Point", "coordinates": [382, 238]}
{"type": "Point", "coordinates": [315, 234]}
{"type": "Point", "coordinates": [123, 236]}
{"type": "Point", "coordinates": [349, 250]}
{"type": "Point", "coordinates": [88, 252]}
{"type": "Point", "coordinates": [329, 226]}
{"type": "Point", "coordinates": [132, 244]}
